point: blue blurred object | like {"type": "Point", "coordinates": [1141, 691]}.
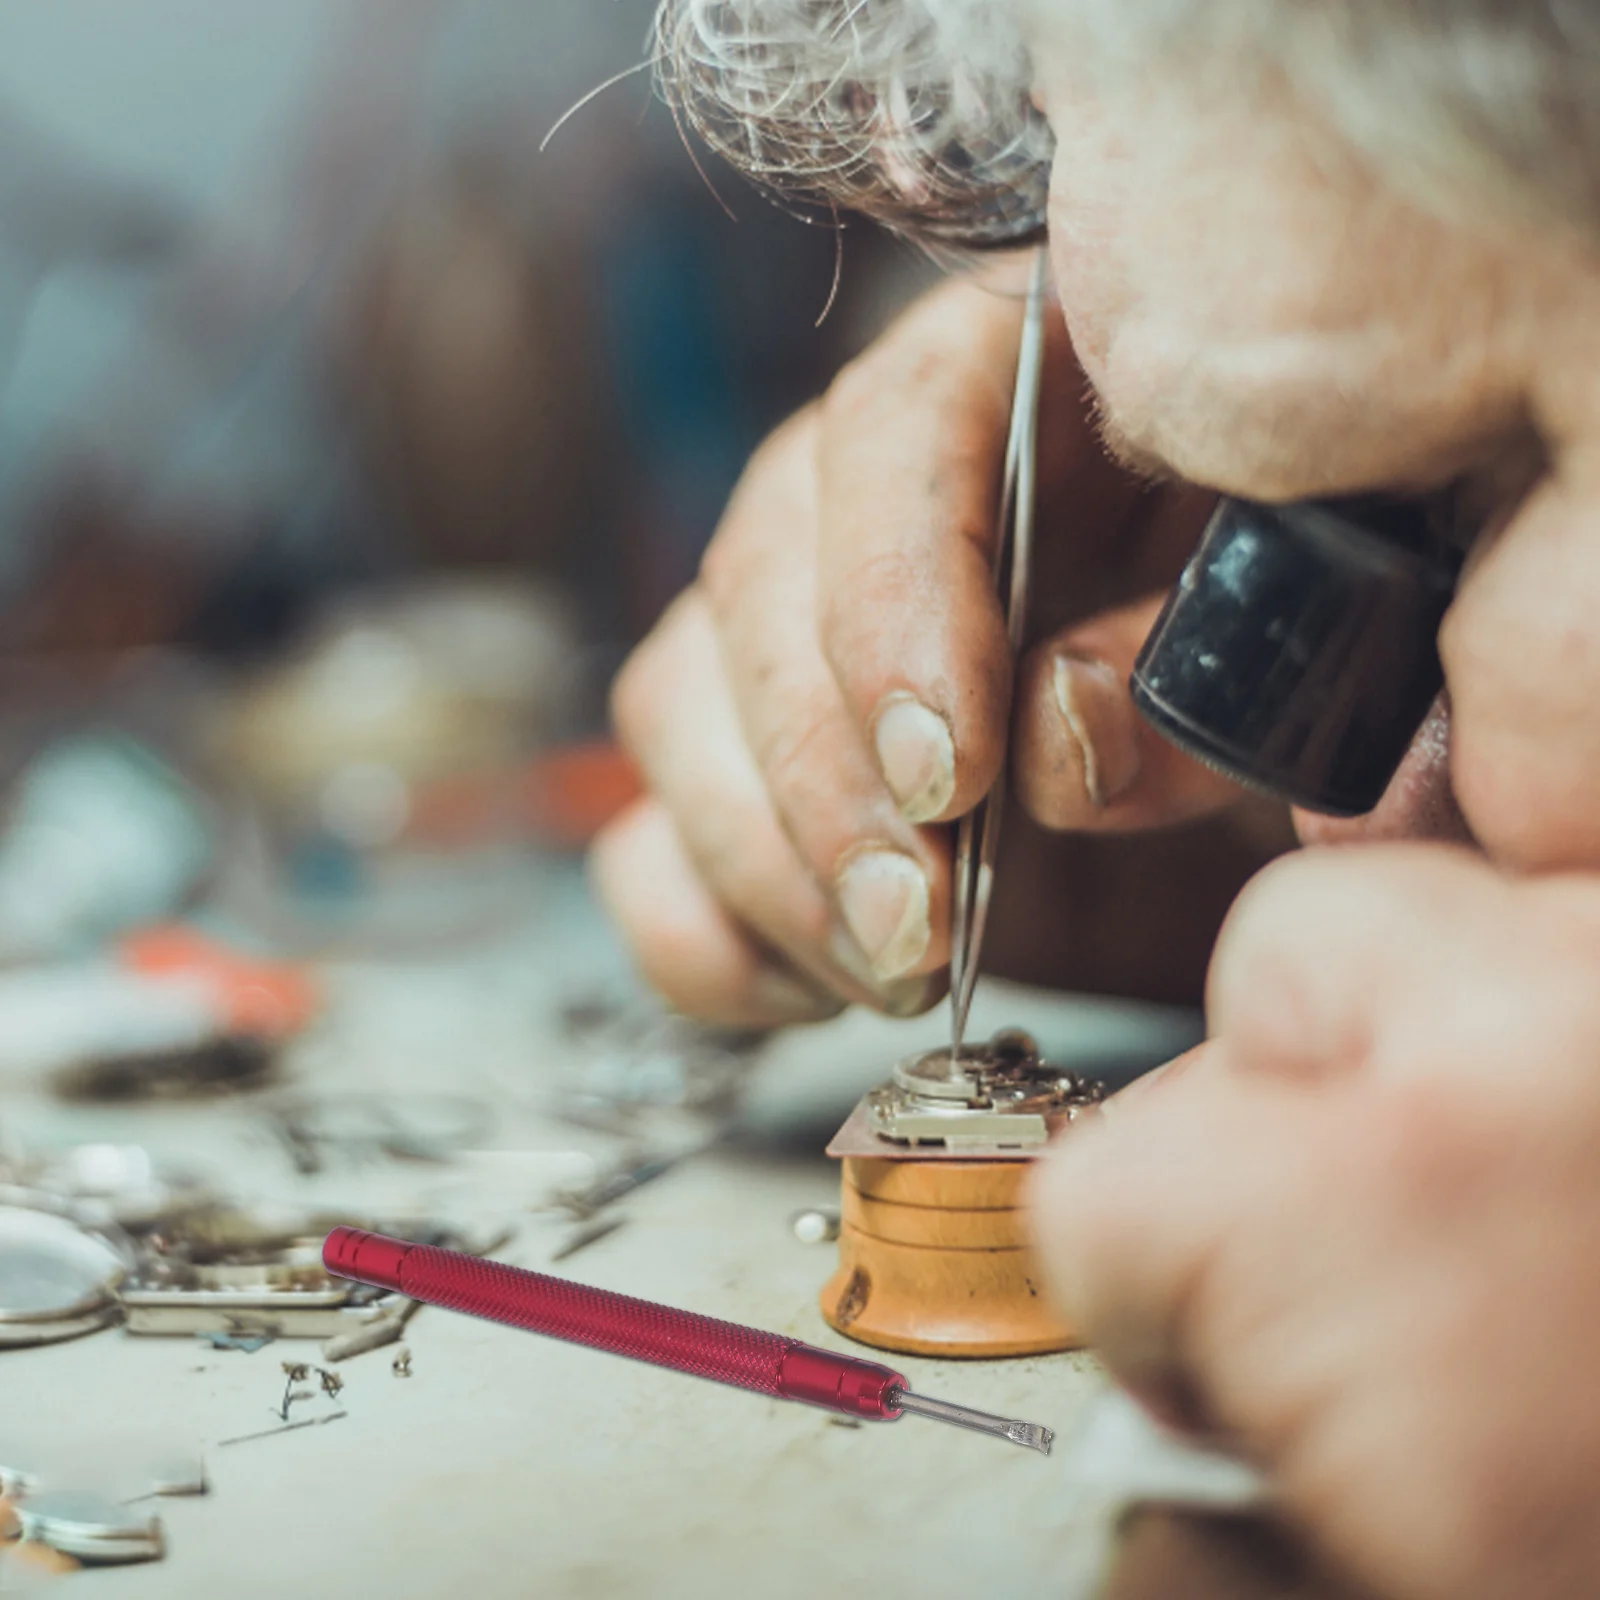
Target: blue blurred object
{"type": "Point", "coordinates": [290, 303]}
{"type": "Point", "coordinates": [102, 836]}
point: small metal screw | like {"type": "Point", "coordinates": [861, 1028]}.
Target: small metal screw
{"type": "Point", "coordinates": [295, 1372]}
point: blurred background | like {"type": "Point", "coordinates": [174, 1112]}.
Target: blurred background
{"type": "Point", "coordinates": [347, 440]}
{"type": "Point", "coordinates": [347, 443]}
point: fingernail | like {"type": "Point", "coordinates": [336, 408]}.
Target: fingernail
{"type": "Point", "coordinates": [907, 998]}
{"type": "Point", "coordinates": [883, 898]}
{"type": "Point", "coordinates": [917, 755]}
{"type": "Point", "coordinates": [904, 997]}
{"type": "Point", "coordinates": [1094, 706]}
{"type": "Point", "coordinates": [786, 999]}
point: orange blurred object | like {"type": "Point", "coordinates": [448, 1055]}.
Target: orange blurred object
{"type": "Point", "coordinates": [265, 999]}
{"type": "Point", "coordinates": [572, 793]}
{"type": "Point", "coordinates": [561, 799]}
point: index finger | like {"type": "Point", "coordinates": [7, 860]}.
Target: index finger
{"type": "Point", "coordinates": [910, 452]}
{"type": "Point", "coordinates": [1134, 1213]}
{"type": "Point", "coordinates": [1396, 960]}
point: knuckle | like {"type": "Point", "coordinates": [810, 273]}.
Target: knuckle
{"type": "Point", "coordinates": [722, 569]}
{"type": "Point", "coordinates": [744, 870]}
{"type": "Point", "coordinates": [654, 674]}
{"type": "Point", "coordinates": [873, 392]}
{"type": "Point", "coordinates": [628, 691]}
{"type": "Point", "coordinates": [764, 507]}
{"type": "Point", "coordinates": [750, 867]}
{"type": "Point", "coordinates": [1250, 925]}
{"type": "Point", "coordinates": [1432, 1143]}
{"type": "Point", "coordinates": [687, 983]}
{"type": "Point", "coordinates": [731, 567]}
{"type": "Point", "coordinates": [855, 393]}
{"type": "Point", "coordinates": [933, 344]}
{"type": "Point", "coordinates": [636, 691]}
{"type": "Point", "coordinates": [682, 956]}
{"type": "Point", "coordinates": [1273, 903]}
{"type": "Point", "coordinates": [937, 357]}
{"type": "Point", "coordinates": [794, 754]}
{"type": "Point", "coordinates": [616, 856]}
{"type": "Point", "coordinates": [1264, 990]}
{"type": "Point", "coordinates": [789, 449]}
{"type": "Point", "coordinates": [794, 438]}
{"type": "Point", "coordinates": [850, 618]}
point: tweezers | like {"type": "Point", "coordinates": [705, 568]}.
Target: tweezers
{"type": "Point", "coordinates": [978, 840]}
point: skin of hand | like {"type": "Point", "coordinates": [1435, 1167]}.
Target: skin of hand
{"type": "Point", "coordinates": [1255, 311]}
{"type": "Point", "coordinates": [1353, 1235]}
{"type": "Point", "coordinates": [838, 683]}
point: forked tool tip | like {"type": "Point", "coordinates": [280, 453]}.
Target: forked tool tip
{"type": "Point", "coordinates": [1032, 1436]}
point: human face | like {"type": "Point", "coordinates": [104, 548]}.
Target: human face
{"type": "Point", "coordinates": [1259, 312]}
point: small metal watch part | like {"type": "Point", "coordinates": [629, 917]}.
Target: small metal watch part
{"type": "Point", "coordinates": [91, 1529]}
{"type": "Point", "coordinates": [1000, 1096]}
{"type": "Point", "coordinates": [17, 1481]}
{"type": "Point", "coordinates": [386, 1330]}
{"type": "Point", "coordinates": [287, 1427]}
{"type": "Point", "coordinates": [1030, 1435]}
{"type": "Point", "coordinates": [180, 1478]}
{"type": "Point", "coordinates": [57, 1279]}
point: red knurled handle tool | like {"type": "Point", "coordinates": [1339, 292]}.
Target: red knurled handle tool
{"type": "Point", "coordinates": [747, 1358]}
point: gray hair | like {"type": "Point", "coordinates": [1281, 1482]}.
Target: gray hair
{"type": "Point", "coordinates": [914, 112]}
{"type": "Point", "coordinates": [917, 112]}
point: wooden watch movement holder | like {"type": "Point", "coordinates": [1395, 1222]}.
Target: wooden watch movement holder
{"type": "Point", "coordinates": [933, 1252]}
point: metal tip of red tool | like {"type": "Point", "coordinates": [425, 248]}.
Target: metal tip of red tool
{"type": "Point", "coordinates": [1030, 1435]}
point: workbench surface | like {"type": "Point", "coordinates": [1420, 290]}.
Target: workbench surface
{"type": "Point", "coordinates": [514, 1466]}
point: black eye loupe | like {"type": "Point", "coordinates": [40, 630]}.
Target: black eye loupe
{"type": "Point", "coordinates": [1299, 651]}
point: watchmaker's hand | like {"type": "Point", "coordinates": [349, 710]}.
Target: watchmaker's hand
{"type": "Point", "coordinates": [1355, 1233]}
{"type": "Point", "coordinates": [908, 456]}
{"type": "Point", "coordinates": [839, 679]}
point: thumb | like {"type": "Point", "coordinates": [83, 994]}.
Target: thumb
{"type": "Point", "coordinates": [1085, 760]}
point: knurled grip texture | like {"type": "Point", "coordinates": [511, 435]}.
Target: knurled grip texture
{"type": "Point", "coordinates": [681, 1340]}
{"type": "Point", "coordinates": [747, 1358]}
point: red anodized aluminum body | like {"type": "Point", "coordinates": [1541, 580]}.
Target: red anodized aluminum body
{"type": "Point", "coordinates": [704, 1347]}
